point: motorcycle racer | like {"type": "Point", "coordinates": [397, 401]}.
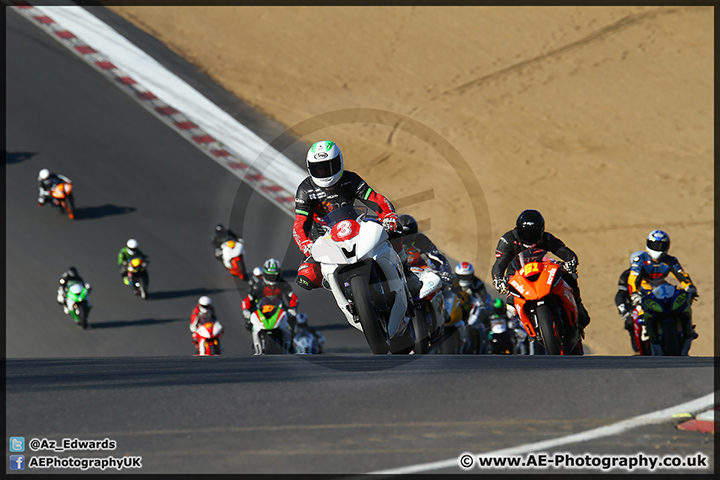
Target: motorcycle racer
{"type": "Point", "coordinates": [529, 232]}
{"type": "Point", "coordinates": [66, 279]}
{"type": "Point", "coordinates": [301, 325]}
{"type": "Point", "coordinates": [220, 235]}
{"type": "Point", "coordinates": [329, 186]}
{"type": "Point", "coordinates": [127, 252]}
{"type": "Point", "coordinates": [256, 276]}
{"type": "Point", "coordinates": [466, 280]}
{"type": "Point", "coordinates": [46, 181]}
{"type": "Point", "coordinates": [272, 285]}
{"type": "Point", "coordinates": [203, 309]}
{"type": "Point", "coordinates": [655, 264]}
{"type": "Point", "coordinates": [419, 251]}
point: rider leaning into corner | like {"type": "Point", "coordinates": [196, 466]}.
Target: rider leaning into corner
{"type": "Point", "coordinates": [328, 187]}
{"type": "Point", "coordinates": [653, 264]}
{"type": "Point", "coordinates": [530, 232]}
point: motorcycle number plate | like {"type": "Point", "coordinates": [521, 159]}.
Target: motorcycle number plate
{"type": "Point", "coordinates": [344, 230]}
{"type": "Point", "coordinates": [531, 268]}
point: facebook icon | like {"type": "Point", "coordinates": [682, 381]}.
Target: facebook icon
{"type": "Point", "coordinates": [17, 462]}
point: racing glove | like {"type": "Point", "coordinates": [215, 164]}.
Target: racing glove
{"type": "Point", "coordinates": [636, 298]}
{"type": "Point", "coordinates": [390, 222]}
{"type": "Point", "coordinates": [570, 266]}
{"type": "Point", "coordinates": [306, 247]}
{"type": "Point", "coordinates": [247, 314]}
{"type": "Point", "coordinates": [622, 309]}
{"type": "Point", "coordinates": [500, 285]}
{"type": "Point", "coordinates": [692, 291]}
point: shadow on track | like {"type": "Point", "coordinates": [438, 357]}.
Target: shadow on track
{"type": "Point", "coordinates": [197, 292]}
{"type": "Point", "coordinates": [133, 323]}
{"type": "Point", "coordinates": [17, 157]}
{"type": "Point", "coordinates": [88, 213]}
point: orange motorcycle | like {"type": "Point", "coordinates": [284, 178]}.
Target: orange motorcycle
{"type": "Point", "coordinates": [545, 302]}
{"type": "Point", "coordinates": [61, 194]}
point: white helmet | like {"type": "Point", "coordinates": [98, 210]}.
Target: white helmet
{"type": "Point", "coordinates": [44, 174]}
{"type": "Point", "coordinates": [325, 163]}
{"type": "Point", "coordinates": [464, 272]}
{"type": "Point", "coordinates": [257, 272]}
{"type": "Point", "coordinates": [132, 245]}
{"type": "Point", "coordinates": [204, 302]}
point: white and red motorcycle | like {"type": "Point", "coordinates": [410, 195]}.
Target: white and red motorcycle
{"type": "Point", "coordinates": [429, 319]}
{"type": "Point", "coordinates": [233, 257]}
{"type": "Point", "coordinates": [208, 335]}
{"type": "Point", "coordinates": [366, 277]}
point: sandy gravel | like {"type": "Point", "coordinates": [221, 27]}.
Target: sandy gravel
{"type": "Point", "coordinates": [599, 117]}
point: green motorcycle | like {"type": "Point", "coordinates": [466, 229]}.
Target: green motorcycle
{"type": "Point", "coordinates": [78, 304]}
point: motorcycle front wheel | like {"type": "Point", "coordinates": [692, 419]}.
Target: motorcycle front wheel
{"type": "Point", "coordinates": [547, 330]}
{"type": "Point", "coordinates": [369, 320]}
{"type": "Point", "coordinates": [424, 316]}
{"type": "Point", "coordinates": [83, 315]}
{"type": "Point", "coordinates": [670, 339]}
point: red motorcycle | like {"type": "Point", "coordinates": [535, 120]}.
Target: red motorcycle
{"type": "Point", "coordinates": [545, 302]}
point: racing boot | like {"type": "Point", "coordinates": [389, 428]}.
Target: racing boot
{"type": "Point", "coordinates": [686, 347]}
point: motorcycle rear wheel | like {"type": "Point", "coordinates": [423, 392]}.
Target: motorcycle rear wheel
{"type": "Point", "coordinates": [547, 330]}
{"type": "Point", "coordinates": [369, 320]}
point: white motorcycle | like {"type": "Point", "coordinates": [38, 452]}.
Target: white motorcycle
{"type": "Point", "coordinates": [430, 313]}
{"type": "Point", "coordinates": [271, 331]}
{"type": "Point", "coordinates": [366, 277]}
{"type": "Point", "coordinates": [208, 333]}
{"type": "Point", "coordinates": [233, 257]}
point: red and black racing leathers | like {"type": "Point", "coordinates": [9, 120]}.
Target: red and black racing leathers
{"type": "Point", "coordinates": [313, 202]}
{"type": "Point", "coordinates": [510, 245]}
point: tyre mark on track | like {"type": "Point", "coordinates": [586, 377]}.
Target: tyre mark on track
{"type": "Point", "coordinates": [621, 24]}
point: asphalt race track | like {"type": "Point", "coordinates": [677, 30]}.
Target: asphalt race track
{"type": "Point", "coordinates": [131, 376]}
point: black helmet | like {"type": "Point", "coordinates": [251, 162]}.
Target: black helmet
{"type": "Point", "coordinates": [219, 227]}
{"type": "Point", "coordinates": [530, 227]}
{"type": "Point", "coordinates": [409, 225]}
{"type": "Point", "coordinates": [72, 272]}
